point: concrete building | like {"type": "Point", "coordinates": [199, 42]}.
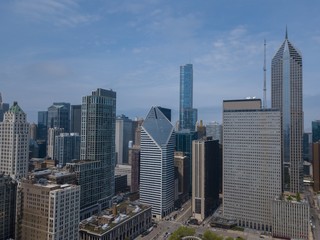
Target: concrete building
{"type": "Point", "coordinates": [124, 169]}
{"type": "Point", "coordinates": [52, 134]}
{"type": "Point", "coordinates": [66, 148]}
{"type": "Point", "coordinates": [187, 114]}
{"type": "Point", "coordinates": [286, 95]}
{"type": "Point", "coordinates": [134, 161]}
{"type": "Point", "coordinates": [182, 163]}
{"type": "Point", "coordinates": [205, 177]}
{"type": "Point", "coordinates": [251, 162]}
{"type": "Point", "coordinates": [8, 191]}
{"type": "Point", "coordinates": [14, 143]}
{"type": "Point", "coordinates": [124, 134]}
{"type": "Point", "coordinates": [48, 210]}
{"type": "Point", "coordinates": [157, 163]}
{"type": "Point", "coordinates": [124, 221]}
{"type": "Point", "coordinates": [290, 217]}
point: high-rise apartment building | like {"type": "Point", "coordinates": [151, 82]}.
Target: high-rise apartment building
{"type": "Point", "coordinates": [75, 123]}
{"type": "Point", "coordinates": [59, 116]}
{"type": "Point", "coordinates": [286, 95]}
{"type": "Point", "coordinates": [48, 210]}
{"type": "Point", "coordinates": [14, 143]}
{"type": "Point", "coordinates": [66, 148]}
{"type": "Point", "coordinates": [95, 170]}
{"type": "Point", "coordinates": [124, 134]}
{"type": "Point", "coordinates": [8, 192]}
{"type": "Point", "coordinates": [187, 114]}
{"type": "Point", "coordinates": [251, 162]}
{"type": "Point", "coordinates": [52, 133]}
{"type": "Point", "coordinates": [205, 177]}
{"type": "Point", "coordinates": [3, 108]}
{"type": "Point", "coordinates": [157, 163]}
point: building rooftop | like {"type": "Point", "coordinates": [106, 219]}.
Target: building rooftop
{"type": "Point", "coordinates": [109, 218]}
{"type": "Point", "coordinates": [292, 197]}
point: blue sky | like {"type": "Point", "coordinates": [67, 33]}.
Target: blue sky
{"type": "Point", "coordinates": [61, 50]}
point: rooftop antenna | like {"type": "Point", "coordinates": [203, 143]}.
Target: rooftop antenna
{"type": "Point", "coordinates": [265, 77]}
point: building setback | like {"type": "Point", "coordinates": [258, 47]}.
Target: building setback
{"type": "Point", "coordinates": [251, 162]}
{"type": "Point", "coordinates": [157, 163]}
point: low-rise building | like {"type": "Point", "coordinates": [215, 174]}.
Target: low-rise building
{"type": "Point", "coordinates": [290, 216]}
{"type": "Point", "coordinates": [123, 221]}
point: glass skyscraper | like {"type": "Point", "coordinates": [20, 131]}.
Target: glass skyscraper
{"type": "Point", "coordinates": [286, 95]}
{"type": "Point", "coordinates": [187, 114]}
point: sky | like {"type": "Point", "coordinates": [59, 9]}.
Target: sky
{"type": "Point", "coordinates": [61, 50]}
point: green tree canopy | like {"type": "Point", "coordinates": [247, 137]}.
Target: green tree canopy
{"type": "Point", "coordinates": [182, 232]}
{"type": "Point", "coordinates": [209, 235]}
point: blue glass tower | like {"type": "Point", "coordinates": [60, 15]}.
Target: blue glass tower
{"type": "Point", "coordinates": [187, 114]}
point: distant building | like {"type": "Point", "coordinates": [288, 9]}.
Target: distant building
{"type": "Point", "coordinates": [124, 221]}
{"type": "Point", "coordinates": [316, 166]}
{"type": "Point", "coordinates": [137, 131]}
{"type": "Point", "coordinates": [307, 147]}
{"type": "Point", "coordinates": [66, 148]}
{"type": "Point", "coordinates": [290, 217]}
{"type": "Point", "coordinates": [120, 183]}
{"type": "Point", "coordinates": [315, 131]}
{"type": "Point", "coordinates": [75, 123]}
{"type": "Point", "coordinates": [33, 131]}
{"type": "Point", "coordinates": [205, 177]}
{"type": "Point", "coordinates": [8, 191]}
{"type": "Point", "coordinates": [187, 114]}
{"type": "Point", "coordinates": [52, 134]}
{"type": "Point", "coordinates": [59, 116]}
{"type": "Point", "coordinates": [14, 144]}
{"type": "Point", "coordinates": [48, 210]}
{"type": "Point", "coordinates": [251, 162]}
{"type": "Point", "coordinates": [124, 169]}
{"type": "Point", "coordinates": [42, 125]}
{"type": "Point", "coordinates": [182, 163]}
{"type": "Point", "coordinates": [134, 161]}
{"type": "Point", "coordinates": [124, 134]}
{"type": "Point", "coordinates": [214, 130]}
{"type": "Point", "coordinates": [201, 129]}
{"type": "Point", "coordinates": [3, 108]}
{"type": "Point", "coordinates": [156, 163]}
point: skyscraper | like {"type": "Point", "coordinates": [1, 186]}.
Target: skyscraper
{"type": "Point", "coordinates": [286, 95]}
{"type": "Point", "coordinates": [59, 116]}
{"type": "Point", "coordinates": [3, 108]}
{"type": "Point", "coordinates": [66, 148]}
{"type": "Point", "coordinates": [42, 125]}
{"type": "Point", "coordinates": [52, 133]}
{"type": "Point", "coordinates": [251, 162]}
{"type": "Point", "coordinates": [187, 114]}
{"type": "Point", "coordinates": [315, 131]}
{"type": "Point", "coordinates": [14, 144]}
{"type": "Point", "coordinates": [124, 134]}
{"type": "Point", "coordinates": [75, 123]}
{"type": "Point", "coordinates": [157, 163]}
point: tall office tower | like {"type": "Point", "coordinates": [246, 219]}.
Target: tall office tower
{"type": "Point", "coordinates": [8, 191]}
{"type": "Point", "coordinates": [66, 148]}
{"type": "Point", "coordinates": [251, 162]}
{"type": "Point", "coordinates": [315, 131]}
{"type": "Point", "coordinates": [134, 161]}
{"type": "Point", "coordinates": [14, 144]}
{"type": "Point", "coordinates": [124, 134]}
{"type": "Point", "coordinates": [75, 123]}
{"type": "Point", "coordinates": [42, 125]}
{"type": "Point", "coordinates": [307, 147]}
{"type": "Point", "coordinates": [33, 131]}
{"type": "Point", "coordinates": [316, 166]}
{"type": "Point", "coordinates": [48, 210]}
{"type": "Point", "coordinates": [214, 130]}
{"type": "Point", "coordinates": [52, 133]}
{"type": "Point", "coordinates": [201, 129]}
{"type": "Point", "coordinates": [98, 113]}
{"type": "Point", "coordinates": [3, 108]}
{"type": "Point", "coordinates": [156, 163]}
{"type": "Point", "coordinates": [137, 131]}
{"type": "Point", "coordinates": [187, 114]}
{"type": "Point", "coordinates": [59, 116]}
{"type": "Point", "coordinates": [286, 95]}
{"type": "Point", "coordinates": [182, 163]}
{"type": "Point", "coordinates": [205, 177]}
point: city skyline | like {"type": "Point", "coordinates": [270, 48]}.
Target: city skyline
{"type": "Point", "coordinates": [58, 51]}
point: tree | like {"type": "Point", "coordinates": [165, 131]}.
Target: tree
{"type": "Point", "coordinates": [209, 235]}
{"type": "Point", "coordinates": [182, 232]}
{"type": "Point", "coordinates": [298, 197]}
{"type": "Point", "coordinates": [229, 238]}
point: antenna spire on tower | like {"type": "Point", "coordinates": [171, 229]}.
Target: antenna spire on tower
{"type": "Point", "coordinates": [265, 77]}
{"type": "Point", "coordinates": [286, 32]}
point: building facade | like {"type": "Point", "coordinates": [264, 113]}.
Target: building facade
{"type": "Point", "coordinates": [286, 95]}
{"type": "Point", "coordinates": [205, 177]}
{"type": "Point", "coordinates": [52, 134]}
{"type": "Point", "coordinates": [66, 148]}
{"type": "Point", "coordinates": [3, 108]}
{"type": "Point", "coordinates": [316, 166]}
{"type": "Point", "coordinates": [124, 134]}
{"type": "Point", "coordinates": [14, 143]}
{"type": "Point", "coordinates": [182, 163]}
{"type": "Point", "coordinates": [134, 161]}
{"type": "Point", "coordinates": [214, 130]}
{"type": "Point", "coordinates": [59, 116]}
{"type": "Point", "coordinates": [187, 114]}
{"type": "Point", "coordinates": [157, 163]}
{"type": "Point", "coordinates": [251, 162]}
{"type": "Point", "coordinates": [75, 123]}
